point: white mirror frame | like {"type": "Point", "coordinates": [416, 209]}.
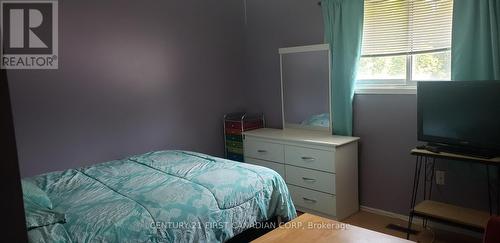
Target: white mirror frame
{"type": "Point", "coordinates": [309, 48]}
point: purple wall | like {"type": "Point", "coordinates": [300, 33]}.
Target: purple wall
{"type": "Point", "coordinates": [271, 25]}
{"type": "Point", "coordinates": [137, 76]}
{"type": "Point", "coordinates": [386, 123]}
{"type": "Point", "coordinates": [134, 76]}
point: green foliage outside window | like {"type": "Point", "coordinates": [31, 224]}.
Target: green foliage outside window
{"type": "Point", "coordinates": [429, 66]}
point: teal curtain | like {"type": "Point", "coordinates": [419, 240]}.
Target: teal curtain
{"type": "Point", "coordinates": [343, 21]}
{"type": "Point", "coordinates": [475, 52]}
{"type": "Point", "coordinates": [475, 40]}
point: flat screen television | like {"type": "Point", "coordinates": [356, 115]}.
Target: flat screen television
{"type": "Point", "coordinates": [460, 116]}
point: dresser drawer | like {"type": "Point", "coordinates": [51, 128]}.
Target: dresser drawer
{"type": "Point", "coordinates": [259, 149]}
{"type": "Point", "coordinates": [317, 201]}
{"type": "Point", "coordinates": [310, 158]}
{"type": "Point", "coordinates": [312, 179]}
{"type": "Point", "coordinates": [280, 168]}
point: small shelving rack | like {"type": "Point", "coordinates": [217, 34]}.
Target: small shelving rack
{"type": "Point", "coordinates": [445, 213]}
{"type": "Point", "coordinates": [234, 125]}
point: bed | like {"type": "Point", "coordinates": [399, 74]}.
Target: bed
{"type": "Point", "coordinates": [164, 196]}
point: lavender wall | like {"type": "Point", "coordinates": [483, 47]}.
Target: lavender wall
{"type": "Point", "coordinates": [134, 76]}
{"type": "Point", "coordinates": [386, 123]}
{"type": "Point", "coordinates": [137, 76]}
{"type": "Point", "coordinates": [271, 25]}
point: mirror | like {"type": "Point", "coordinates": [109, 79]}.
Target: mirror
{"type": "Point", "coordinates": [305, 87]}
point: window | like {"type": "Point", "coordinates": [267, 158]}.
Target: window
{"type": "Point", "coordinates": [405, 41]}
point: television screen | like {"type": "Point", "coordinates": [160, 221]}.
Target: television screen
{"type": "Point", "coordinates": [460, 113]}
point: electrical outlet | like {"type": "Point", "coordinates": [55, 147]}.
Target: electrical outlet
{"type": "Point", "coordinates": [439, 174]}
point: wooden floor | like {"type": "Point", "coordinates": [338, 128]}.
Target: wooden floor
{"type": "Point", "coordinates": [378, 223]}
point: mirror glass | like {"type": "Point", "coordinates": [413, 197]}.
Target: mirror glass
{"type": "Point", "coordinates": [306, 89]}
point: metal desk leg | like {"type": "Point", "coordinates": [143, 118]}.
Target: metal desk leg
{"type": "Point", "coordinates": [425, 178]}
{"type": "Point", "coordinates": [416, 180]}
{"type": "Point", "coordinates": [425, 185]}
{"type": "Point", "coordinates": [489, 189]}
{"type": "Point", "coordinates": [429, 178]}
{"type": "Point", "coordinates": [432, 177]}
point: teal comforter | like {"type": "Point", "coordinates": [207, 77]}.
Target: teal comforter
{"type": "Point", "coordinates": [166, 196]}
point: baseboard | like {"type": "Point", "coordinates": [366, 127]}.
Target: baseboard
{"type": "Point", "coordinates": [389, 214]}
{"type": "Point", "coordinates": [417, 220]}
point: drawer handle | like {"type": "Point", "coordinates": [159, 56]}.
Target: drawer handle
{"type": "Point", "coordinates": [308, 179]}
{"type": "Point", "coordinates": [308, 159]}
{"type": "Point", "coordinates": [262, 151]}
{"type": "Point", "coordinates": [309, 200]}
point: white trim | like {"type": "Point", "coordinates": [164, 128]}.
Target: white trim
{"type": "Point", "coordinates": [389, 214]}
{"type": "Point", "coordinates": [330, 100]}
{"type": "Point", "coordinates": [282, 93]}
{"type": "Point", "coordinates": [385, 89]}
{"type": "Point", "coordinates": [417, 220]}
{"type": "Point", "coordinates": [409, 68]}
{"type": "Point", "coordinates": [297, 49]}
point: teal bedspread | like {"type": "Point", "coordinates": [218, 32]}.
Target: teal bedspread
{"type": "Point", "coordinates": [166, 196]}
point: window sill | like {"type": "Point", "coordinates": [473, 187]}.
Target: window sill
{"type": "Point", "coordinates": [386, 89]}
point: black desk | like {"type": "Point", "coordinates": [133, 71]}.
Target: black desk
{"type": "Point", "coordinates": [446, 213]}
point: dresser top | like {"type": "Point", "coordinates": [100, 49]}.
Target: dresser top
{"type": "Point", "coordinates": [301, 135]}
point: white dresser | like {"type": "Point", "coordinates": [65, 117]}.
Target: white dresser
{"type": "Point", "coordinates": [321, 170]}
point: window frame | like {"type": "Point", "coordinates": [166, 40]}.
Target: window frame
{"type": "Point", "coordinates": [408, 85]}
{"type": "Point", "coordinates": [394, 86]}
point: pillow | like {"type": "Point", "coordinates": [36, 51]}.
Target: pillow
{"type": "Point", "coordinates": [38, 216]}
{"type": "Point", "coordinates": [35, 194]}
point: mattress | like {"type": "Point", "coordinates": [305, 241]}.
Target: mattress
{"type": "Point", "coordinates": [164, 196]}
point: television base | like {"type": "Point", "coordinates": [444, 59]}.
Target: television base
{"type": "Point", "coordinates": [480, 153]}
